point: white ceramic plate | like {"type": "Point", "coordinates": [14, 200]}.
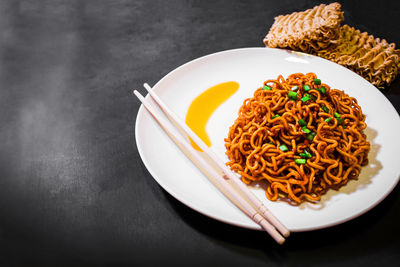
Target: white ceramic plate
{"type": "Point", "coordinates": [250, 67]}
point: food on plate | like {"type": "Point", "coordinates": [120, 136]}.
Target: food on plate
{"type": "Point", "coordinates": [318, 31]}
{"type": "Point", "coordinates": [306, 31]}
{"type": "Point", "coordinates": [298, 137]}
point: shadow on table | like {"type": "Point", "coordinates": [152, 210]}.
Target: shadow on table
{"type": "Point", "coordinates": [365, 233]}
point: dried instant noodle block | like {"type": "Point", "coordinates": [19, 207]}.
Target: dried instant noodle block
{"type": "Point", "coordinates": [306, 31]}
{"type": "Point", "coordinates": [373, 58]}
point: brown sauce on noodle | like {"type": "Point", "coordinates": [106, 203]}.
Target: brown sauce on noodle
{"type": "Point", "coordinates": [300, 136]}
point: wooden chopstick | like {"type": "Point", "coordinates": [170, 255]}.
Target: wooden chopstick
{"type": "Point", "coordinates": [241, 186]}
{"type": "Point", "coordinates": [229, 190]}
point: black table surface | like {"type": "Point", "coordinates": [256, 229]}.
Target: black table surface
{"type": "Point", "coordinates": [73, 188]}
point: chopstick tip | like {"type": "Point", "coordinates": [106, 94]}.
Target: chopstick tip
{"type": "Point", "coordinates": [286, 234]}
{"type": "Point", "coordinates": [139, 95]}
{"type": "Point", "coordinates": [147, 86]}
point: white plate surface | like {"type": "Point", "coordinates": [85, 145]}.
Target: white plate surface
{"type": "Point", "coordinates": [250, 67]}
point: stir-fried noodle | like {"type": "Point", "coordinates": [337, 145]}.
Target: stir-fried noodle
{"type": "Point", "coordinates": [300, 136]}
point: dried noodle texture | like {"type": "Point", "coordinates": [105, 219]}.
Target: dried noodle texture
{"type": "Point", "coordinates": [308, 30]}
{"type": "Point", "coordinates": [373, 58]}
{"type": "Point", "coordinates": [268, 139]}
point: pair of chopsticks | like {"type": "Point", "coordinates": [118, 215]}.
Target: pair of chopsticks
{"type": "Point", "coordinates": [252, 206]}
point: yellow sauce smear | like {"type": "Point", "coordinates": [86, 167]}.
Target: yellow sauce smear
{"type": "Point", "coordinates": [203, 107]}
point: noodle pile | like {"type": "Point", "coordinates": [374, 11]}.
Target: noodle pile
{"type": "Point", "coordinates": [373, 58]}
{"type": "Point", "coordinates": [308, 30]}
{"type": "Point", "coordinates": [300, 136]}
{"type": "Point", "coordinates": [318, 31]}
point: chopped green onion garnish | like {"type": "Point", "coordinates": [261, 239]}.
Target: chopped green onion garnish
{"type": "Point", "coordinates": [322, 90]}
{"type": "Point", "coordinates": [311, 136]}
{"type": "Point", "coordinates": [312, 97]}
{"type": "Point", "coordinates": [306, 87]}
{"type": "Point", "coordinates": [305, 129]}
{"type": "Point", "coordinates": [328, 120]}
{"type": "Point", "coordinates": [266, 87]}
{"type": "Point", "coordinates": [295, 88]}
{"type": "Point", "coordinates": [305, 98]}
{"type": "Point", "coordinates": [275, 116]}
{"type": "Point", "coordinates": [325, 109]}
{"type": "Point", "coordinates": [283, 148]}
{"type": "Point", "coordinates": [302, 122]}
{"type": "Point", "coordinates": [339, 120]}
{"type": "Point", "coordinates": [337, 115]}
{"type": "Point", "coordinates": [317, 81]}
{"type": "Point", "coordinates": [300, 161]}
{"type": "Point", "coordinates": [292, 95]}
{"type": "Point", "coordinates": [306, 154]}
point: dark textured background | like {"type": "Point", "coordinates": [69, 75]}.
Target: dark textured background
{"type": "Point", "coordinates": [73, 189]}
